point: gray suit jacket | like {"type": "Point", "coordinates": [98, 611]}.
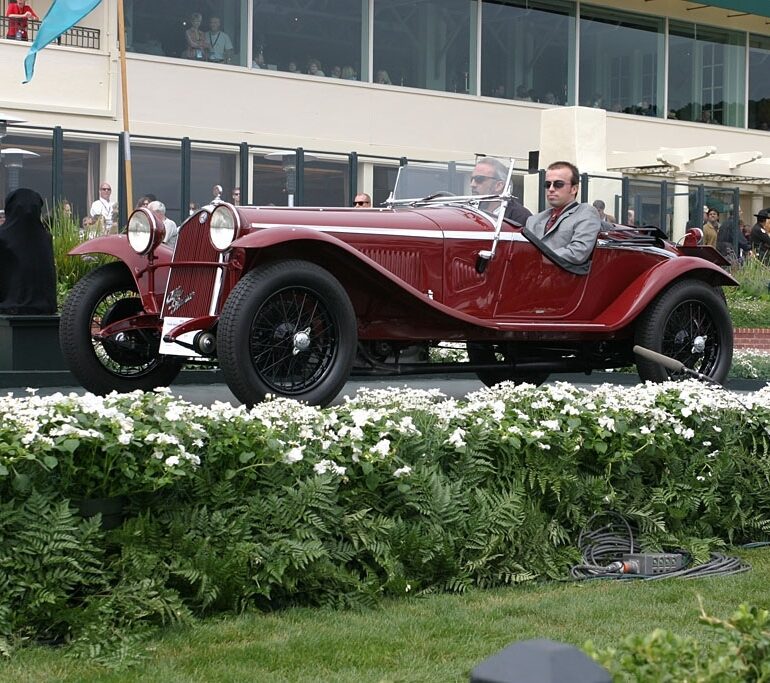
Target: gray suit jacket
{"type": "Point", "coordinates": [573, 237]}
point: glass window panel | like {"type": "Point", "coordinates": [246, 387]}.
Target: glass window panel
{"type": "Point", "coordinates": [526, 50]}
{"type": "Point", "coordinates": [327, 183]}
{"type": "Point", "coordinates": [621, 61]}
{"type": "Point", "coordinates": [759, 82]}
{"type": "Point", "coordinates": [166, 32]}
{"type": "Point", "coordinates": [383, 182]}
{"type": "Point", "coordinates": [35, 172]}
{"type": "Point", "coordinates": [157, 171]}
{"type": "Point", "coordinates": [269, 182]}
{"type": "Point", "coordinates": [209, 168]}
{"type": "Point", "coordinates": [706, 74]}
{"type": "Point", "coordinates": [291, 35]}
{"type": "Point", "coordinates": [425, 44]}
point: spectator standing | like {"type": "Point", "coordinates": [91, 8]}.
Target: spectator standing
{"type": "Point", "coordinates": [600, 207]}
{"type": "Point", "coordinates": [362, 201]}
{"type": "Point", "coordinates": [218, 43]}
{"type": "Point", "coordinates": [27, 266]}
{"type": "Point", "coordinates": [729, 235]}
{"type": "Point", "coordinates": [711, 228]}
{"type": "Point", "coordinates": [197, 47]}
{"type": "Point", "coordinates": [314, 68]}
{"type": "Point", "coordinates": [19, 13]}
{"type": "Point", "coordinates": [236, 196]}
{"type": "Point", "coordinates": [171, 228]}
{"type": "Point", "coordinates": [760, 239]}
{"type": "Point", "coordinates": [102, 209]}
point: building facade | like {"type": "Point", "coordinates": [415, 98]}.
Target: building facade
{"type": "Point", "coordinates": [431, 80]}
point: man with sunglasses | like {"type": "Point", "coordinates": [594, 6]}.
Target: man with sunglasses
{"type": "Point", "coordinates": [102, 209]}
{"type": "Point", "coordinates": [568, 230]}
{"type": "Point", "coordinates": [362, 201]}
{"type": "Point", "coordinates": [489, 178]}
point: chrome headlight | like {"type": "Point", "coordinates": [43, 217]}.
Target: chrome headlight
{"type": "Point", "coordinates": [145, 231]}
{"type": "Point", "coordinates": [223, 228]}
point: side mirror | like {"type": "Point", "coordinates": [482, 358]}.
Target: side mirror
{"type": "Point", "coordinates": [482, 261]}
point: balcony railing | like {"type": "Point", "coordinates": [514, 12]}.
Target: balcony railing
{"type": "Point", "coordinates": [77, 36]}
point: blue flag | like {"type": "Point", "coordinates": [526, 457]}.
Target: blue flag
{"type": "Point", "coordinates": [62, 16]}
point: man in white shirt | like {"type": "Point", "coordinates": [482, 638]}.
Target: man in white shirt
{"type": "Point", "coordinates": [218, 43]}
{"type": "Point", "coordinates": [171, 228]}
{"type": "Point", "coordinates": [102, 208]}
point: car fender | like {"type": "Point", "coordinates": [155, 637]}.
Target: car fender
{"type": "Point", "coordinates": [640, 293]}
{"type": "Point", "coordinates": [151, 282]}
{"type": "Point", "coordinates": [419, 302]}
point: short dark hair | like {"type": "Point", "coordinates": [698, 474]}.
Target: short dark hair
{"type": "Point", "coordinates": [566, 164]}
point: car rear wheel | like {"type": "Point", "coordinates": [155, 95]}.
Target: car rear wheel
{"type": "Point", "coordinates": [690, 322]}
{"type": "Point", "coordinates": [124, 362]}
{"type": "Point", "coordinates": [287, 329]}
{"type": "Point", "coordinates": [491, 352]}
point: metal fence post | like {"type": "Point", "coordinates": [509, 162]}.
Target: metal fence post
{"type": "Point", "coordinates": [664, 207]}
{"type": "Point", "coordinates": [625, 185]}
{"type": "Point", "coordinates": [735, 219]}
{"type": "Point", "coordinates": [299, 171]}
{"type": "Point", "coordinates": [57, 186]}
{"type": "Point", "coordinates": [244, 173]}
{"type": "Point", "coordinates": [352, 177]}
{"type": "Point", "coordinates": [186, 158]}
{"type": "Point", "coordinates": [541, 190]}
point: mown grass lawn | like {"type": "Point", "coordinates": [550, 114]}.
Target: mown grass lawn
{"type": "Point", "coordinates": [428, 638]}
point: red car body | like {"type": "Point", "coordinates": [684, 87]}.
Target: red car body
{"type": "Point", "coordinates": [413, 276]}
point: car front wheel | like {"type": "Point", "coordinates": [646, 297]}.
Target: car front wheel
{"type": "Point", "coordinates": [287, 329]}
{"type": "Point", "coordinates": [123, 362]}
{"type": "Point", "coordinates": [690, 322]}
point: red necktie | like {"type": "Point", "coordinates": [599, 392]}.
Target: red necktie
{"type": "Point", "coordinates": [551, 220]}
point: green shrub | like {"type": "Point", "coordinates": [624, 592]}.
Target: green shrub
{"type": "Point", "coordinates": [740, 652]}
{"type": "Point", "coordinates": [67, 234]}
{"type": "Point", "coordinates": [389, 494]}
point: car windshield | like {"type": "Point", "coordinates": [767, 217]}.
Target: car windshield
{"type": "Point", "coordinates": [451, 182]}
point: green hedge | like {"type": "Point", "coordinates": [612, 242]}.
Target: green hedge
{"type": "Point", "coordinates": [394, 492]}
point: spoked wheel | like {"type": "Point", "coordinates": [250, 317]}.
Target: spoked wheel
{"type": "Point", "coordinates": [126, 361]}
{"type": "Point", "coordinates": [287, 329]}
{"type": "Point", "coordinates": [690, 322]}
{"type": "Point", "coordinates": [491, 352]}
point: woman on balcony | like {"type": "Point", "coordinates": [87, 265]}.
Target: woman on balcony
{"type": "Point", "coordinates": [19, 13]}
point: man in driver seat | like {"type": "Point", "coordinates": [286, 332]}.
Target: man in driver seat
{"type": "Point", "coordinates": [489, 178]}
{"type": "Point", "coordinates": [569, 229]}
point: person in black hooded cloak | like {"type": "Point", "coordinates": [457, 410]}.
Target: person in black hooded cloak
{"type": "Point", "coordinates": [27, 266]}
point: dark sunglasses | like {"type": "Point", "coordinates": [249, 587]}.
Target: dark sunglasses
{"type": "Point", "coordinates": [558, 184]}
{"type": "Point", "coordinates": [478, 179]}
{"type": "Point", "coordinates": [107, 188]}
{"type": "Point", "coordinates": [360, 203]}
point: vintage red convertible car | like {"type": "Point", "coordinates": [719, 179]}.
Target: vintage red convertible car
{"type": "Point", "coordinates": [291, 301]}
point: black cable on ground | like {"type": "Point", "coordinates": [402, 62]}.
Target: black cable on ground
{"type": "Point", "coordinates": [608, 537]}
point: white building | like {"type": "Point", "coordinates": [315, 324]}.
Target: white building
{"type": "Point", "coordinates": [685, 87]}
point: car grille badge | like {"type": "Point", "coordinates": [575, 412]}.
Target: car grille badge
{"type": "Point", "coordinates": [177, 298]}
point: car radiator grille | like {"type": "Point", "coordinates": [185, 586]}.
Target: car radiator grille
{"type": "Point", "coordinates": [192, 284]}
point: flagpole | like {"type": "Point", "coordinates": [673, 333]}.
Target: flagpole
{"type": "Point", "coordinates": [124, 97]}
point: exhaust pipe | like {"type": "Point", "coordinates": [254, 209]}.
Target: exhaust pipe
{"type": "Point", "coordinates": [672, 364]}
